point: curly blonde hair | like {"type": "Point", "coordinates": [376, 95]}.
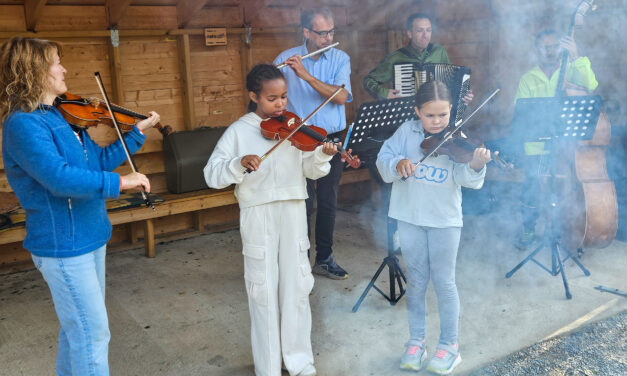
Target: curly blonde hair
{"type": "Point", "coordinates": [24, 66]}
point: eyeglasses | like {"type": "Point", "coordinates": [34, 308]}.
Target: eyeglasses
{"type": "Point", "coordinates": [325, 33]}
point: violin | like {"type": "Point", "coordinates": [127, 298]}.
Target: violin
{"type": "Point", "coordinates": [445, 136]}
{"type": "Point", "coordinates": [292, 125]}
{"type": "Point", "coordinates": [459, 147]}
{"type": "Point", "coordinates": [307, 138]}
{"type": "Point", "coordinates": [89, 112]}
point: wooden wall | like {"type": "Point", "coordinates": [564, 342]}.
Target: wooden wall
{"type": "Point", "coordinates": [162, 58]}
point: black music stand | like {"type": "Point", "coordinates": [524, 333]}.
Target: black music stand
{"type": "Point", "coordinates": [375, 123]}
{"type": "Point", "coordinates": [564, 120]}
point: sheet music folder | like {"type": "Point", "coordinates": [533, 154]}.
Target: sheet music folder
{"type": "Point", "coordinates": [376, 122]}
{"type": "Point", "coordinates": [542, 119]}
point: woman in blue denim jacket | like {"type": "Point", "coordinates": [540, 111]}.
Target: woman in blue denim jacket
{"type": "Point", "coordinates": [62, 179]}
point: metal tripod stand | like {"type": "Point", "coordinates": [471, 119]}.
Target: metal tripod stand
{"type": "Point", "coordinates": [391, 261]}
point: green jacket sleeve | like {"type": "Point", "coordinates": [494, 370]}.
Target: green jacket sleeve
{"type": "Point", "coordinates": [381, 74]}
{"type": "Point", "coordinates": [581, 74]}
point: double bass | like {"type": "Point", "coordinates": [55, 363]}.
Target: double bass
{"type": "Point", "coordinates": [589, 211]}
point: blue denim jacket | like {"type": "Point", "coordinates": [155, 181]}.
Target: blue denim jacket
{"type": "Point", "coordinates": [61, 184]}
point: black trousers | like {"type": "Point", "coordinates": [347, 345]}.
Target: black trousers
{"type": "Point", "coordinates": [325, 191]}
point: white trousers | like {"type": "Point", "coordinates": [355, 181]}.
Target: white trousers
{"type": "Point", "coordinates": [278, 282]}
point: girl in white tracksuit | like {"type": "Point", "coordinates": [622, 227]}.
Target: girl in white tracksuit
{"type": "Point", "coordinates": [273, 225]}
{"type": "Point", "coordinates": [428, 208]}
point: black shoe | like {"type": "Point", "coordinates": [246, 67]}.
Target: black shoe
{"type": "Point", "coordinates": [329, 268]}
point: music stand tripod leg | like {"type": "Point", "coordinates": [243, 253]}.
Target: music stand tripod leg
{"type": "Point", "coordinates": [396, 276]}
{"type": "Point", "coordinates": [569, 255]}
{"type": "Point", "coordinates": [556, 255]}
{"type": "Point", "coordinates": [370, 285]}
{"type": "Point", "coordinates": [527, 259]}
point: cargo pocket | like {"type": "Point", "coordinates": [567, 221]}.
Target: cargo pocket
{"type": "Point", "coordinates": [255, 273]}
{"type": "Point", "coordinates": [305, 279]}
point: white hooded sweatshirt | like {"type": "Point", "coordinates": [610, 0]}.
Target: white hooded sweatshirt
{"type": "Point", "coordinates": [281, 176]}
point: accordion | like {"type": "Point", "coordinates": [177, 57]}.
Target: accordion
{"type": "Point", "coordinates": [408, 78]}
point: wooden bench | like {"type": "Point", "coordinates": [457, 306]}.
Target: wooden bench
{"type": "Point", "coordinates": [173, 204]}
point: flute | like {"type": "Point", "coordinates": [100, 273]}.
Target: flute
{"type": "Point", "coordinates": [311, 54]}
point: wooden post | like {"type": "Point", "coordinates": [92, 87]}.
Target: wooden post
{"type": "Point", "coordinates": [185, 66]}
{"type": "Point", "coordinates": [246, 61]}
{"type": "Point", "coordinates": [115, 66]}
{"type": "Point", "coordinates": [149, 238]}
{"type": "Point", "coordinates": [198, 222]}
{"type": "Point", "coordinates": [132, 232]}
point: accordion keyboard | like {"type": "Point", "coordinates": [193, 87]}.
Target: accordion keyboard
{"type": "Point", "coordinates": [404, 80]}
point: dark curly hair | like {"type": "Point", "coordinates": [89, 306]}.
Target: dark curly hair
{"type": "Point", "coordinates": [256, 78]}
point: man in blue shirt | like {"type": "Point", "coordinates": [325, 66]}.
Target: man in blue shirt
{"type": "Point", "coordinates": [309, 83]}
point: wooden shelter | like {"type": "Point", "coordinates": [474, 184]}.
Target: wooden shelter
{"type": "Point", "coordinates": [152, 56]}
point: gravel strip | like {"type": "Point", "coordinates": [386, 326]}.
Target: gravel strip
{"type": "Point", "coordinates": [596, 349]}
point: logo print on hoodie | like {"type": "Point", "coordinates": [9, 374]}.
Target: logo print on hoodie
{"type": "Point", "coordinates": [431, 173]}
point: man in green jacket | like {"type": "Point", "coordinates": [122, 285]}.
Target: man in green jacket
{"type": "Point", "coordinates": [541, 81]}
{"type": "Point", "coordinates": [420, 50]}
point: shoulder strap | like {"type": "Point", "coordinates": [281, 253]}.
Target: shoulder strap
{"type": "Point", "coordinates": [420, 60]}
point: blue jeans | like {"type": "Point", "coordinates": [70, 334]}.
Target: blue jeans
{"type": "Point", "coordinates": [77, 285]}
{"type": "Point", "coordinates": [430, 253]}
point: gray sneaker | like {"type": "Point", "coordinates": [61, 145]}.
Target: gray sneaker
{"type": "Point", "coordinates": [446, 358]}
{"type": "Point", "coordinates": [414, 355]}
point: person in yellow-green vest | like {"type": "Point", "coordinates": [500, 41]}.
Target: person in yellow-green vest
{"type": "Point", "coordinates": [541, 81]}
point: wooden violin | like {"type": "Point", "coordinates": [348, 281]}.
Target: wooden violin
{"type": "Point", "coordinates": [278, 131]}
{"type": "Point", "coordinates": [307, 138]}
{"type": "Point", "coordinates": [445, 136]}
{"type": "Point", "coordinates": [89, 112]}
{"type": "Point", "coordinates": [460, 148]}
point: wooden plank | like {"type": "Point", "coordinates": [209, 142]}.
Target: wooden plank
{"type": "Point", "coordinates": [94, 32]}
{"type": "Point", "coordinates": [10, 254]}
{"type": "Point", "coordinates": [459, 10]}
{"type": "Point", "coordinates": [252, 9]}
{"type": "Point", "coordinates": [246, 64]}
{"type": "Point", "coordinates": [149, 238]}
{"type": "Point", "coordinates": [226, 16]}
{"type": "Point", "coordinates": [115, 67]}
{"type": "Point", "coordinates": [12, 235]}
{"type": "Point", "coordinates": [73, 18]}
{"type": "Point", "coordinates": [149, 163]}
{"type": "Point", "coordinates": [175, 206]}
{"type": "Point", "coordinates": [4, 182]}
{"type": "Point", "coordinates": [268, 17]}
{"type": "Point", "coordinates": [116, 10]}
{"type": "Point", "coordinates": [12, 18]}
{"type": "Point", "coordinates": [355, 176]}
{"type": "Point", "coordinates": [148, 17]}
{"type": "Point", "coordinates": [33, 10]}
{"type": "Point", "coordinates": [185, 68]}
{"type": "Point", "coordinates": [186, 10]}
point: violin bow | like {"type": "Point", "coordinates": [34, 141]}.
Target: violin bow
{"type": "Point", "coordinates": [316, 52]}
{"type": "Point", "coordinates": [131, 162]}
{"type": "Point", "coordinates": [449, 135]}
{"type": "Point", "coordinates": [299, 126]}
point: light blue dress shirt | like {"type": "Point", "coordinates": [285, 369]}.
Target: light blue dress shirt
{"type": "Point", "coordinates": [332, 67]}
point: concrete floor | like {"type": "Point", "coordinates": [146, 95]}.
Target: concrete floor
{"type": "Point", "coordinates": [185, 312]}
